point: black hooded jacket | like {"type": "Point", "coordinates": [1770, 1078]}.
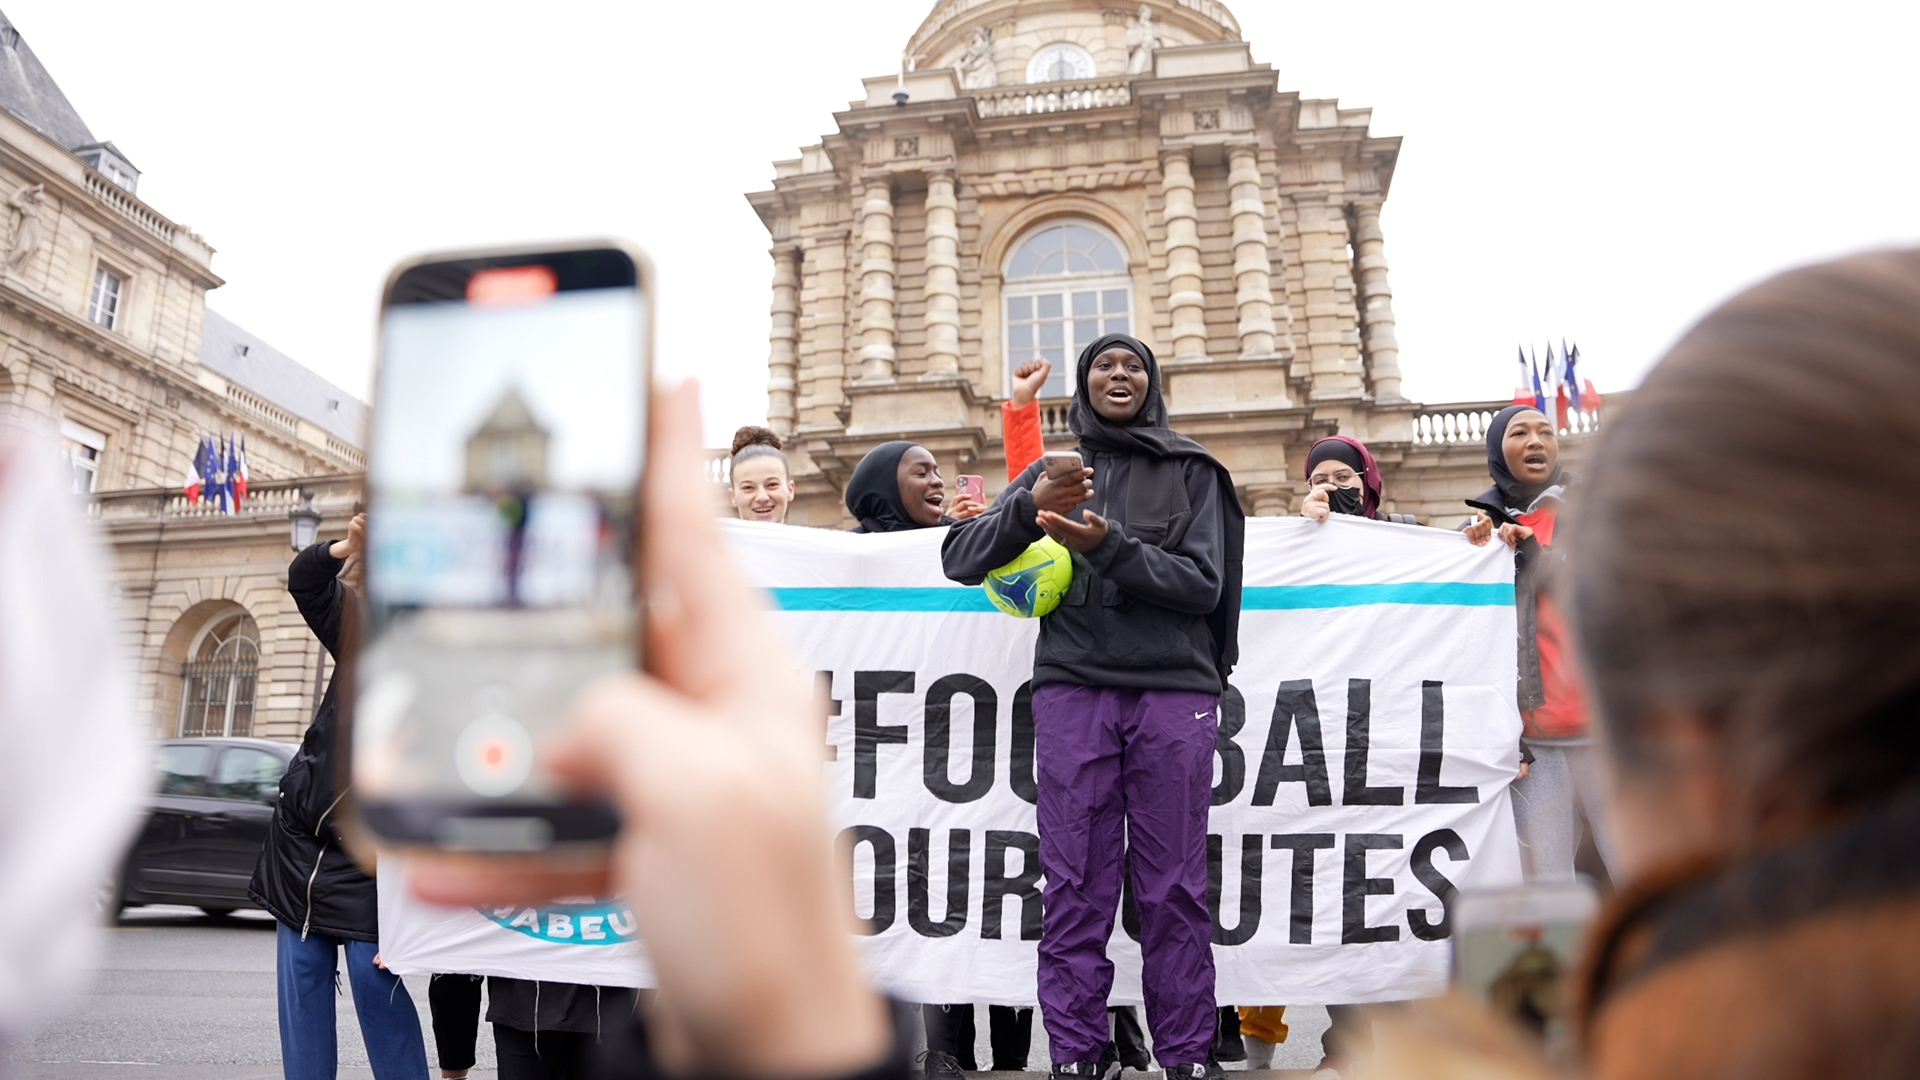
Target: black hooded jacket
{"type": "Point", "coordinates": [1157, 605]}
{"type": "Point", "coordinates": [304, 877]}
{"type": "Point", "coordinates": [1534, 564]}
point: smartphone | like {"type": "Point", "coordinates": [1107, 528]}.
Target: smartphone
{"type": "Point", "coordinates": [968, 486]}
{"type": "Point", "coordinates": [1515, 948]}
{"type": "Point", "coordinates": [504, 471]}
{"type": "Point", "coordinates": [1062, 464]}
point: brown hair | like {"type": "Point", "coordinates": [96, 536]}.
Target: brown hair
{"type": "Point", "coordinates": [751, 442]}
{"type": "Point", "coordinates": [1774, 594]}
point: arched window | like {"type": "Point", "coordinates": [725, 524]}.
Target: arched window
{"type": "Point", "coordinates": [220, 679]}
{"type": "Point", "coordinates": [1066, 285]}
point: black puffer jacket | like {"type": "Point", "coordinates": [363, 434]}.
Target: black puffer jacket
{"type": "Point", "coordinates": [304, 877]}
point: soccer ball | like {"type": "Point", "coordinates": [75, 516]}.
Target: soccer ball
{"type": "Point", "coordinates": [1032, 584]}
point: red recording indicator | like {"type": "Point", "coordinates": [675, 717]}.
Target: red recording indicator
{"type": "Point", "coordinates": [511, 285]}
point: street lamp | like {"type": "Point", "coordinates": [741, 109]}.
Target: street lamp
{"type": "Point", "coordinates": [303, 522]}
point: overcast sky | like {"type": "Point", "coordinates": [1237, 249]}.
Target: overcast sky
{"type": "Point", "coordinates": [1602, 172]}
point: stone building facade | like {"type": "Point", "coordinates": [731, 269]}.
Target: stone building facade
{"type": "Point", "coordinates": [1045, 170]}
{"type": "Point", "coordinates": [106, 344]}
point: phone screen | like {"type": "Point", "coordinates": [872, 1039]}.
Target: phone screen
{"type": "Point", "coordinates": [1515, 949]}
{"type": "Point", "coordinates": [507, 446]}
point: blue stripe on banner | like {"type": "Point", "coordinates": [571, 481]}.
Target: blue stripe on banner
{"type": "Point", "coordinates": [1254, 598]}
{"type": "Point", "coordinates": [1436, 593]}
{"type": "Point", "coordinates": [934, 598]}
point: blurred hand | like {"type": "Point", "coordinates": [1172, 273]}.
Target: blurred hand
{"type": "Point", "coordinates": [726, 854]}
{"type": "Point", "coordinates": [1061, 496]}
{"type": "Point", "coordinates": [1073, 535]}
{"type": "Point", "coordinates": [1480, 531]}
{"type": "Point", "coordinates": [355, 541]}
{"type": "Point", "coordinates": [1511, 535]}
{"type": "Point", "coordinates": [1028, 380]}
{"type": "Point", "coordinates": [962, 509]}
{"type": "Point", "coordinates": [1525, 768]}
{"type": "Point", "coordinates": [1315, 505]}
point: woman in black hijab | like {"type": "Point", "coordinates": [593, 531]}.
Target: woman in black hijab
{"type": "Point", "coordinates": [897, 486]}
{"type": "Point", "coordinates": [1345, 480]}
{"type": "Point", "coordinates": [1560, 784]}
{"type": "Point", "coordinates": [1127, 678]}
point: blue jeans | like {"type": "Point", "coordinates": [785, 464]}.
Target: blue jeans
{"type": "Point", "coordinates": [389, 1024]}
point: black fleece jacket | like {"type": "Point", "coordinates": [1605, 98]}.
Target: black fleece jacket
{"type": "Point", "coordinates": [304, 877]}
{"type": "Point", "coordinates": [1136, 614]}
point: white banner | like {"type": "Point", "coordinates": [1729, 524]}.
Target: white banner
{"type": "Point", "coordinates": [586, 941]}
{"type": "Point", "coordinates": [1361, 773]}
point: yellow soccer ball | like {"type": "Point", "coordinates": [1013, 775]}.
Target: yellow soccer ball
{"type": "Point", "coordinates": [1032, 584]}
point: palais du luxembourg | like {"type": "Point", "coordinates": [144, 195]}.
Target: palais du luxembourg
{"type": "Point", "coordinates": [1039, 172]}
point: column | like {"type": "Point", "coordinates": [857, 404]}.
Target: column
{"type": "Point", "coordinates": [1326, 272]}
{"type": "Point", "coordinates": [1185, 301]}
{"type": "Point", "coordinates": [783, 339]}
{"type": "Point", "coordinates": [1376, 302]}
{"type": "Point", "coordinates": [1269, 500]}
{"type": "Point", "coordinates": [943, 275]}
{"type": "Point", "coordinates": [1252, 262]}
{"type": "Point", "coordinates": [876, 282]}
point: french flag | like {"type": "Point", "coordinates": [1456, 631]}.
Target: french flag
{"type": "Point", "coordinates": [237, 469]}
{"type": "Point", "coordinates": [1523, 389]}
{"type": "Point", "coordinates": [196, 486]}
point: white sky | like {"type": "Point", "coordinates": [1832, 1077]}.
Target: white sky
{"type": "Point", "coordinates": [1602, 172]}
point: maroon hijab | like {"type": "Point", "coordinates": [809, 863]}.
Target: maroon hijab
{"type": "Point", "coordinates": [1354, 454]}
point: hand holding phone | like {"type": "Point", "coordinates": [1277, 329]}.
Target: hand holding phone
{"type": "Point", "coordinates": [1515, 949]}
{"type": "Point", "coordinates": [502, 478]}
{"type": "Point", "coordinates": [1064, 483]}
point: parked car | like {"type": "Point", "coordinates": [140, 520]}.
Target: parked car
{"type": "Point", "coordinates": [207, 823]}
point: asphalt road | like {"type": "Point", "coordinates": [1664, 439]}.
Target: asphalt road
{"type": "Point", "coordinates": [180, 996]}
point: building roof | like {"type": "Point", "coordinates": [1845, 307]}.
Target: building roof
{"type": "Point", "coordinates": [240, 356]}
{"type": "Point", "coordinates": [31, 95]}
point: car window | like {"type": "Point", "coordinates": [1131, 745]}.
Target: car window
{"type": "Point", "coordinates": [183, 769]}
{"type": "Point", "coordinates": [246, 773]}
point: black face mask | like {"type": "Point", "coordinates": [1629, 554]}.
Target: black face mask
{"type": "Point", "coordinates": [1345, 500]}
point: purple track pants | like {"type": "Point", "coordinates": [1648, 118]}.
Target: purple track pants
{"type": "Point", "coordinates": [1124, 769]}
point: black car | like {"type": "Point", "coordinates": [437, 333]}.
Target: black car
{"type": "Point", "coordinates": [207, 823]}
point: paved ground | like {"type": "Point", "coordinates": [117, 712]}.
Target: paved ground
{"type": "Point", "coordinates": [184, 997]}
{"type": "Point", "coordinates": [180, 996]}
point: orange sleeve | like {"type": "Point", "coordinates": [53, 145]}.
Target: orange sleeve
{"type": "Point", "coordinates": [1020, 433]}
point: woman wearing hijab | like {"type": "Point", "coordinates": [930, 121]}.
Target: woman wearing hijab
{"type": "Point", "coordinates": [897, 486]}
{"type": "Point", "coordinates": [1127, 678]}
{"type": "Point", "coordinates": [1345, 480]}
{"type": "Point", "coordinates": [1558, 785]}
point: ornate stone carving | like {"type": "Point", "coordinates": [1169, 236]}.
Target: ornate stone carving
{"type": "Point", "coordinates": [1142, 38]}
{"type": "Point", "coordinates": [976, 64]}
{"type": "Point", "coordinates": [27, 233]}
{"type": "Point", "coordinates": [907, 147]}
{"type": "Point", "coordinates": [1206, 119]}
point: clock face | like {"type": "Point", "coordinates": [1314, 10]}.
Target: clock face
{"type": "Point", "coordinates": [1060, 63]}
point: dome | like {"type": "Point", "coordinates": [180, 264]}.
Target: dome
{"type": "Point", "coordinates": [1087, 32]}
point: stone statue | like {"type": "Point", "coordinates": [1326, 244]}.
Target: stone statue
{"type": "Point", "coordinates": [976, 64]}
{"type": "Point", "coordinates": [26, 225]}
{"type": "Point", "coordinates": [1142, 38]}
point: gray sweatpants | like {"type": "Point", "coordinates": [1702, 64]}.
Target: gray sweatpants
{"type": "Point", "coordinates": [1562, 787]}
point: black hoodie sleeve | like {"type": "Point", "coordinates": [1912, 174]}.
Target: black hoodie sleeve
{"type": "Point", "coordinates": [313, 579]}
{"type": "Point", "coordinates": [977, 547]}
{"type": "Point", "coordinates": [1185, 576]}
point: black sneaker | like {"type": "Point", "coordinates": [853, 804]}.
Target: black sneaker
{"type": "Point", "coordinates": [940, 1065]}
{"type": "Point", "coordinates": [1079, 1070]}
{"type": "Point", "coordinates": [1189, 1072]}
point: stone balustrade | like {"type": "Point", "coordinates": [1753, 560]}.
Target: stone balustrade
{"type": "Point", "coordinates": [1054, 97]}
{"type": "Point", "coordinates": [332, 495]}
{"type": "Point", "coordinates": [129, 207]}
{"type": "Point", "coordinates": [1466, 422]}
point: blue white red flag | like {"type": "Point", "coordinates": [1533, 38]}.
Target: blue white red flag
{"type": "Point", "coordinates": [240, 472]}
{"type": "Point", "coordinates": [1523, 389]}
{"type": "Point", "coordinates": [1572, 373]}
{"type": "Point", "coordinates": [1539, 400]}
{"type": "Point", "coordinates": [196, 485]}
